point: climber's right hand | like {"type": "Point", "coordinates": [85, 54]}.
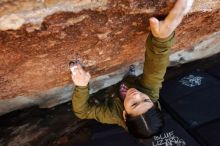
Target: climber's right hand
{"type": "Point", "coordinates": [79, 76]}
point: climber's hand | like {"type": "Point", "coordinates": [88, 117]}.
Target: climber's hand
{"type": "Point", "coordinates": [79, 76]}
{"type": "Point", "coordinates": [163, 29]}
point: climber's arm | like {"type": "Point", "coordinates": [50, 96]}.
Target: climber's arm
{"type": "Point", "coordinates": [103, 113]}
{"type": "Point", "coordinates": [158, 45]}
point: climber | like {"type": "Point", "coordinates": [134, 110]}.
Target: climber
{"type": "Point", "coordinates": [136, 108]}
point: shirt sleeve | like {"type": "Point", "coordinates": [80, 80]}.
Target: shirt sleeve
{"type": "Point", "coordinates": [111, 114]}
{"type": "Point", "coordinates": [155, 65]}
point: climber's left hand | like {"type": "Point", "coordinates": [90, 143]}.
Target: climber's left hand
{"type": "Point", "coordinates": [163, 29]}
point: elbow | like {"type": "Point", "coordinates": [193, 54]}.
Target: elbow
{"type": "Point", "coordinates": [79, 113]}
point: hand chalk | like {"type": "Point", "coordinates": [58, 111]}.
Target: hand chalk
{"type": "Point", "coordinates": [74, 73]}
{"type": "Point", "coordinates": [73, 69]}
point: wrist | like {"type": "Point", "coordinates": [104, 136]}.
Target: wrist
{"type": "Point", "coordinates": [164, 39]}
{"type": "Point", "coordinates": [82, 86]}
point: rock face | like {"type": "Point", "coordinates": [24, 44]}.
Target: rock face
{"type": "Point", "coordinates": [39, 37]}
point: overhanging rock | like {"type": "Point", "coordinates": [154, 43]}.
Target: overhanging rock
{"type": "Point", "coordinates": [39, 38]}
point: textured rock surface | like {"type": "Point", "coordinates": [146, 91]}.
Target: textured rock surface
{"type": "Point", "coordinates": [39, 38]}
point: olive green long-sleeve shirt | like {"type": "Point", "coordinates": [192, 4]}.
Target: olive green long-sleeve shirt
{"type": "Point", "coordinates": [156, 62]}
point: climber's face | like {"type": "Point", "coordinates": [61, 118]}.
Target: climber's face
{"type": "Point", "coordinates": [136, 102]}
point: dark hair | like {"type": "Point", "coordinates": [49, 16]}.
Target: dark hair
{"type": "Point", "coordinates": [145, 125]}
